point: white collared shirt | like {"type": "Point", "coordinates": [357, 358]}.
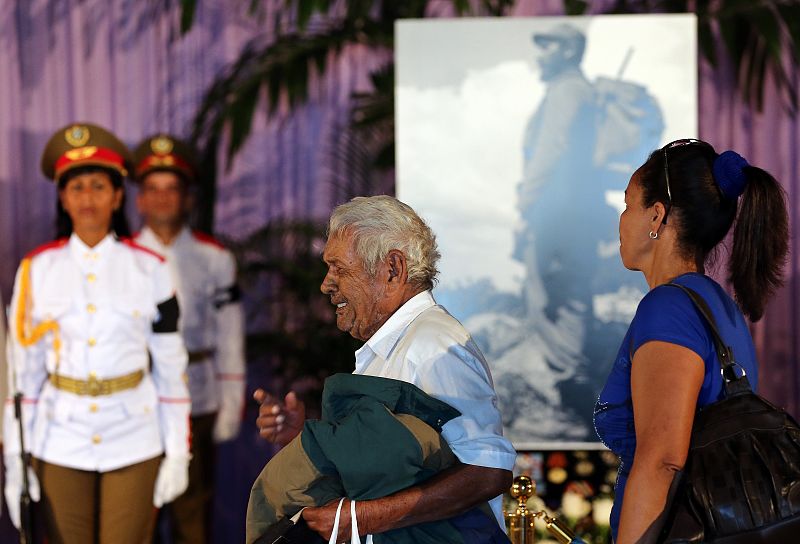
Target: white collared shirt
{"type": "Point", "coordinates": [105, 300]}
{"type": "Point", "coordinates": [424, 345]}
{"type": "Point", "coordinates": [211, 321]}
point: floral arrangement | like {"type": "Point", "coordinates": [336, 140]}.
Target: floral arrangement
{"type": "Point", "coordinates": [574, 486]}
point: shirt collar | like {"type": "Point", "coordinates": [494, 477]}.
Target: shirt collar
{"type": "Point", "coordinates": [149, 238]}
{"type": "Point", "coordinates": [85, 253]}
{"type": "Point", "coordinates": [383, 341]}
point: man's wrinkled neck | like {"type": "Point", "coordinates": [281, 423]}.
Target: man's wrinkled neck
{"type": "Point", "coordinates": [389, 308]}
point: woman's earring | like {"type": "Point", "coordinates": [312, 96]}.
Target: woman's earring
{"type": "Point", "coordinates": [653, 235]}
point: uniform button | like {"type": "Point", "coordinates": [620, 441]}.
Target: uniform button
{"type": "Point", "coordinates": [91, 308]}
{"type": "Point", "coordinates": [91, 278]}
{"type": "Point", "coordinates": [136, 313]}
{"type": "Point", "coordinates": [93, 408]}
{"type": "Point", "coordinates": [96, 439]}
{"type": "Point", "coordinates": [92, 342]}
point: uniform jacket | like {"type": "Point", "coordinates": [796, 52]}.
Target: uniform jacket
{"type": "Point", "coordinates": [116, 313]}
{"type": "Point", "coordinates": [211, 319]}
{"type": "Point", "coordinates": [376, 437]}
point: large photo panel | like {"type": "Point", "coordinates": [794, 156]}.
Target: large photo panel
{"type": "Point", "coordinates": [516, 139]}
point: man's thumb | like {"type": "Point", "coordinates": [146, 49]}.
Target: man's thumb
{"type": "Point", "coordinates": [291, 401]}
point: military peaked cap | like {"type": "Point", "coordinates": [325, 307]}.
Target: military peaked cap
{"type": "Point", "coordinates": [164, 152]}
{"type": "Point", "coordinates": [84, 144]}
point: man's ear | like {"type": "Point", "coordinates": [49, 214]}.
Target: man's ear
{"type": "Point", "coordinates": [188, 201]}
{"type": "Point", "coordinates": [396, 267]}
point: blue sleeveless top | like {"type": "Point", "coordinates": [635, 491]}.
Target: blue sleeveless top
{"type": "Point", "coordinates": [668, 314]}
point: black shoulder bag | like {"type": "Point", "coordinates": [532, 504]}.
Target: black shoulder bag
{"type": "Point", "coordinates": [741, 481]}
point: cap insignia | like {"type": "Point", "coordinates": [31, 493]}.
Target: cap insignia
{"type": "Point", "coordinates": [77, 135]}
{"type": "Point", "coordinates": [81, 153]}
{"type": "Point", "coordinates": [161, 145]}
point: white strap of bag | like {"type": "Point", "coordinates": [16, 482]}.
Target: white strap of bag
{"type": "Point", "coordinates": [354, 538]}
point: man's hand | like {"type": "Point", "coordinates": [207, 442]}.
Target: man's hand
{"type": "Point", "coordinates": [279, 423]}
{"type": "Point", "coordinates": [441, 497]}
{"type": "Point", "coordinates": [320, 519]}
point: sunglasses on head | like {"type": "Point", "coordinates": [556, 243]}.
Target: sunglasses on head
{"type": "Point", "coordinates": [672, 145]}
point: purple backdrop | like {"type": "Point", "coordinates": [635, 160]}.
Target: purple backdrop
{"type": "Point", "coordinates": [123, 64]}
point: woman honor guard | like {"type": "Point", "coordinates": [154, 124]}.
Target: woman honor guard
{"type": "Point", "coordinates": [97, 358]}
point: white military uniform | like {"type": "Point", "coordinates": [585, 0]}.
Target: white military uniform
{"type": "Point", "coordinates": [3, 365]}
{"type": "Point", "coordinates": [110, 303]}
{"type": "Point", "coordinates": [211, 323]}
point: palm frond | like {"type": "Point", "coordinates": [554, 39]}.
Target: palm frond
{"type": "Point", "coordinates": [761, 38]}
{"type": "Point", "coordinates": [280, 70]}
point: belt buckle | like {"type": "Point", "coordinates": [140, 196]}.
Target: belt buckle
{"type": "Point", "coordinates": [94, 387]}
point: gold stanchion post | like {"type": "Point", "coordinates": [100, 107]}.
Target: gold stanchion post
{"type": "Point", "coordinates": [520, 522]}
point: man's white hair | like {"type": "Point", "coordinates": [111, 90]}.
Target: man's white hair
{"type": "Point", "coordinates": [379, 224]}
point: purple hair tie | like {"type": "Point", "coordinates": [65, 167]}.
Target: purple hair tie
{"type": "Point", "coordinates": [728, 172]}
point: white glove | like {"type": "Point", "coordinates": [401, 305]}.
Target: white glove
{"type": "Point", "coordinates": [13, 487]}
{"type": "Point", "coordinates": [226, 427]}
{"type": "Point", "coordinates": [172, 480]}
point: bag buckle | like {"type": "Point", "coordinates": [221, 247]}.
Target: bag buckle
{"type": "Point", "coordinates": [730, 374]}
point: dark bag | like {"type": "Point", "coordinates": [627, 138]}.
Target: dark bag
{"type": "Point", "coordinates": [741, 481]}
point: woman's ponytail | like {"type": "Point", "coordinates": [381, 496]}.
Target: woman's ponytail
{"type": "Point", "coordinates": [760, 242]}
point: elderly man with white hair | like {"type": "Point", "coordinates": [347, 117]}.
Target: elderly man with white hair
{"type": "Point", "coordinates": [381, 259]}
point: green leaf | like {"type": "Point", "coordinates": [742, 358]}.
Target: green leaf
{"type": "Point", "coordinates": [766, 25]}
{"type": "Point", "coordinates": [461, 6]}
{"type": "Point", "coordinates": [705, 37]}
{"type": "Point", "coordinates": [575, 7]}
{"type": "Point", "coordinates": [735, 35]}
{"type": "Point", "coordinates": [305, 8]}
{"type": "Point", "coordinates": [790, 16]}
{"type": "Point", "coordinates": [674, 6]}
{"type": "Point", "coordinates": [498, 8]}
{"type": "Point", "coordinates": [756, 65]}
{"type": "Point", "coordinates": [241, 117]}
{"type": "Point", "coordinates": [188, 11]}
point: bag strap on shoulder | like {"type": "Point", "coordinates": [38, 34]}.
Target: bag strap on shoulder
{"type": "Point", "coordinates": [734, 376]}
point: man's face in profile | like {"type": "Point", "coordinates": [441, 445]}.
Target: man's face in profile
{"type": "Point", "coordinates": [356, 294]}
{"type": "Point", "coordinates": [550, 56]}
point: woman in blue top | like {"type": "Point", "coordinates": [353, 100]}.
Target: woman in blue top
{"type": "Point", "coordinates": [680, 204]}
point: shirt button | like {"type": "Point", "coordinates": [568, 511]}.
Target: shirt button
{"type": "Point", "coordinates": [96, 439]}
{"type": "Point", "coordinates": [91, 308]}
{"type": "Point", "coordinates": [92, 342]}
{"type": "Point", "coordinates": [91, 278]}
{"type": "Point", "coordinates": [93, 408]}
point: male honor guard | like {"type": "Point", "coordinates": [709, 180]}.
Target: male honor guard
{"type": "Point", "coordinates": [211, 317]}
